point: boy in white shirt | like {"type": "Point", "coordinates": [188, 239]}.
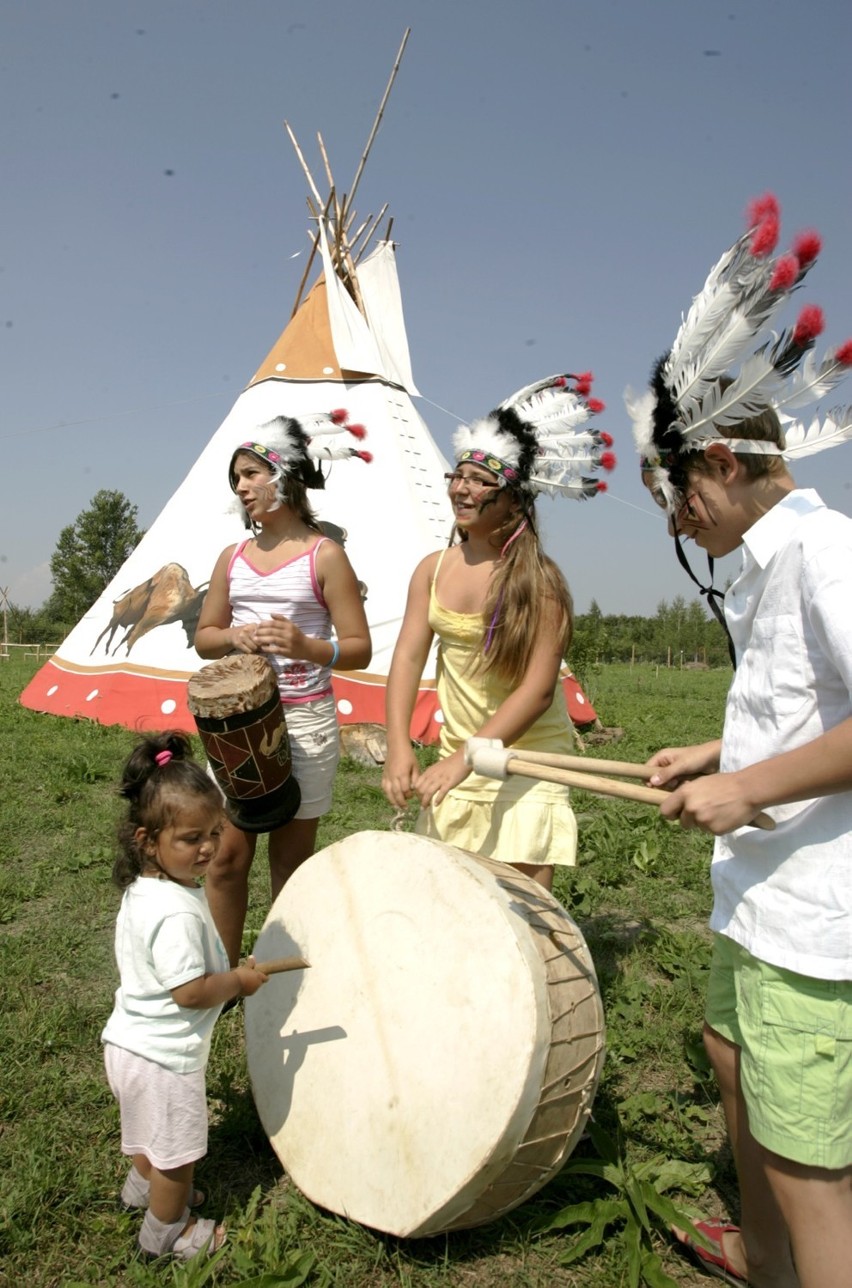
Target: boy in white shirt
{"type": "Point", "coordinates": [778, 1024]}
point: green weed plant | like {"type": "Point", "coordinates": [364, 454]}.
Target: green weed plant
{"type": "Point", "coordinates": [640, 894]}
{"type": "Point", "coordinates": [640, 1210]}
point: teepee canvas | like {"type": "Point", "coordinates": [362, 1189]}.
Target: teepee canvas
{"type": "Point", "coordinates": [128, 660]}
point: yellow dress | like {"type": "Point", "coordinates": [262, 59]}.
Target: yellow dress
{"type": "Point", "coordinates": [513, 820]}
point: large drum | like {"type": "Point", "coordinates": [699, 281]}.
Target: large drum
{"type": "Point", "coordinates": [437, 1062]}
{"type": "Point", "coordinates": [237, 708]}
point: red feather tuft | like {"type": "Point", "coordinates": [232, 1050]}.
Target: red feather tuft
{"type": "Point", "coordinates": [760, 208]}
{"type": "Point", "coordinates": [338, 416]}
{"type": "Point", "coordinates": [595, 404]}
{"type": "Point", "coordinates": [807, 246]}
{"type": "Point", "coordinates": [583, 382]}
{"type": "Point", "coordinates": [765, 237]}
{"type": "Point", "coordinates": [608, 460]}
{"type": "Point", "coordinates": [357, 431]}
{"type": "Point", "coordinates": [606, 439]}
{"type": "Point", "coordinates": [365, 456]}
{"type": "Point", "coordinates": [809, 325]}
{"type": "Point", "coordinates": [602, 486]}
{"type": "Point", "coordinates": [787, 269]}
{"type": "Point", "coordinates": [560, 382]}
{"type": "Point", "coordinates": [843, 354]}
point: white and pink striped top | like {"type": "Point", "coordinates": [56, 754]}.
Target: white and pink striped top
{"type": "Point", "coordinates": [292, 591]}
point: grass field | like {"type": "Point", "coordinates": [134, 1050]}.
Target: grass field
{"type": "Point", "coordinates": [640, 895]}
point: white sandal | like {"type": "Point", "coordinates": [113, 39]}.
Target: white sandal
{"type": "Point", "coordinates": [162, 1238]}
{"type": "Point", "coordinates": [203, 1236]}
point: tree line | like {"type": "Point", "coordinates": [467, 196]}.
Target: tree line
{"type": "Point", "coordinates": [680, 633]}
{"type": "Point", "coordinates": [88, 554]}
{"type": "Point", "coordinates": [92, 549]}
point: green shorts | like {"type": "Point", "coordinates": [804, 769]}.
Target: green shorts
{"type": "Point", "coordinates": [795, 1035]}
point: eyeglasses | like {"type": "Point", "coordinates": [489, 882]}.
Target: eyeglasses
{"type": "Point", "coordinates": [475, 484]}
{"type": "Point", "coordinates": [682, 507]}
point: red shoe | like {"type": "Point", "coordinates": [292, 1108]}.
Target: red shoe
{"type": "Point", "coordinates": [712, 1263]}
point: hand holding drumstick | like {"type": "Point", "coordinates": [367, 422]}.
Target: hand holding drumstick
{"type": "Point", "coordinates": [721, 808]}
{"type": "Point", "coordinates": [280, 964]}
{"type": "Point", "coordinates": [700, 796]}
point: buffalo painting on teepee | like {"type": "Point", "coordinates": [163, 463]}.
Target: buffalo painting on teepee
{"type": "Point", "coordinates": [128, 660]}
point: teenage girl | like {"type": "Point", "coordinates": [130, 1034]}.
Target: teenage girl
{"type": "Point", "coordinates": [175, 978]}
{"type": "Point", "coordinates": [502, 613]}
{"type": "Point", "coordinates": [282, 592]}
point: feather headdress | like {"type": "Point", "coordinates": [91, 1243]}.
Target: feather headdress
{"type": "Point", "coordinates": [538, 439]}
{"type": "Point", "coordinates": [295, 448]}
{"type": "Point", "coordinates": [709, 383]}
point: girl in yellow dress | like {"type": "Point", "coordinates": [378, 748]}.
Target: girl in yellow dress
{"type": "Point", "coordinates": [503, 617]}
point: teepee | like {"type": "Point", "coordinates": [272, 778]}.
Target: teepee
{"type": "Point", "coordinates": [128, 660]}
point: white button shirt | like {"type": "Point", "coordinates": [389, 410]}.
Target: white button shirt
{"type": "Point", "coordinates": [786, 895]}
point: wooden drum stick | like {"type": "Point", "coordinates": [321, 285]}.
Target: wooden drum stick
{"type": "Point", "coordinates": [583, 764]}
{"type": "Point", "coordinates": [279, 964]}
{"type": "Point", "coordinates": [497, 762]}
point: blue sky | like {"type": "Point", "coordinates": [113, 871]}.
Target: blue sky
{"type": "Point", "coordinates": [561, 175]}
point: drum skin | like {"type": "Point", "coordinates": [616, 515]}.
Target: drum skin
{"type": "Point", "coordinates": [435, 1065]}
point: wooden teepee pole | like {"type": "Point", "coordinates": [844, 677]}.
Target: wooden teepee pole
{"type": "Point", "coordinates": [315, 241]}
{"type": "Point", "coordinates": [346, 263]}
{"type": "Point", "coordinates": [378, 119]}
{"type": "Point", "coordinates": [368, 238]}
{"type": "Point", "coordinates": [338, 213]}
{"type": "Point", "coordinates": [324, 156]}
{"type": "Point", "coordinates": [314, 248]}
{"type": "Point", "coordinates": [304, 165]}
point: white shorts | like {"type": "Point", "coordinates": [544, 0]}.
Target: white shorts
{"type": "Point", "coordinates": [315, 749]}
{"type": "Point", "coordinates": [163, 1114]}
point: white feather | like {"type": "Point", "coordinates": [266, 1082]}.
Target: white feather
{"type": "Point", "coordinates": [567, 484]}
{"type": "Point", "coordinates": [730, 314]}
{"type": "Point", "coordinates": [546, 462]}
{"type": "Point", "coordinates": [564, 443]}
{"type": "Point", "coordinates": [320, 423]}
{"type": "Point", "coordinates": [640, 409]}
{"type": "Point", "coordinates": [330, 451]}
{"type": "Point", "coordinates": [277, 436]}
{"type": "Point", "coordinates": [736, 276]}
{"type": "Point", "coordinates": [725, 349]}
{"type": "Point", "coordinates": [812, 382]}
{"type": "Point", "coordinates": [554, 414]}
{"type": "Point", "coordinates": [521, 395]}
{"type": "Point", "coordinates": [560, 409]}
{"type": "Point", "coordinates": [486, 436]}
{"type": "Point", "coordinates": [747, 395]}
{"type": "Point", "coordinates": [659, 484]}
{"type": "Point", "coordinates": [835, 429]}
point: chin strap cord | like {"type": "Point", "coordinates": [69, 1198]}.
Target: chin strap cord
{"type": "Point", "coordinates": [715, 598]}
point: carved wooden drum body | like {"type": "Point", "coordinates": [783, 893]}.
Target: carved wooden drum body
{"type": "Point", "coordinates": [436, 1064]}
{"type": "Point", "coordinates": [237, 709]}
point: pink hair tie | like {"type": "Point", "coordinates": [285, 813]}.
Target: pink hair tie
{"type": "Point", "coordinates": [514, 537]}
{"type": "Point", "coordinates": [163, 758]}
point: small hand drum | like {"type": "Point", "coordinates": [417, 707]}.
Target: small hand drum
{"type": "Point", "coordinates": [237, 709]}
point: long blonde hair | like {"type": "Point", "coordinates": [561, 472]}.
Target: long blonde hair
{"type": "Point", "coordinates": [525, 580]}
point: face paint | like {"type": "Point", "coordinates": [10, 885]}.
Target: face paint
{"type": "Point", "coordinates": [256, 485]}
